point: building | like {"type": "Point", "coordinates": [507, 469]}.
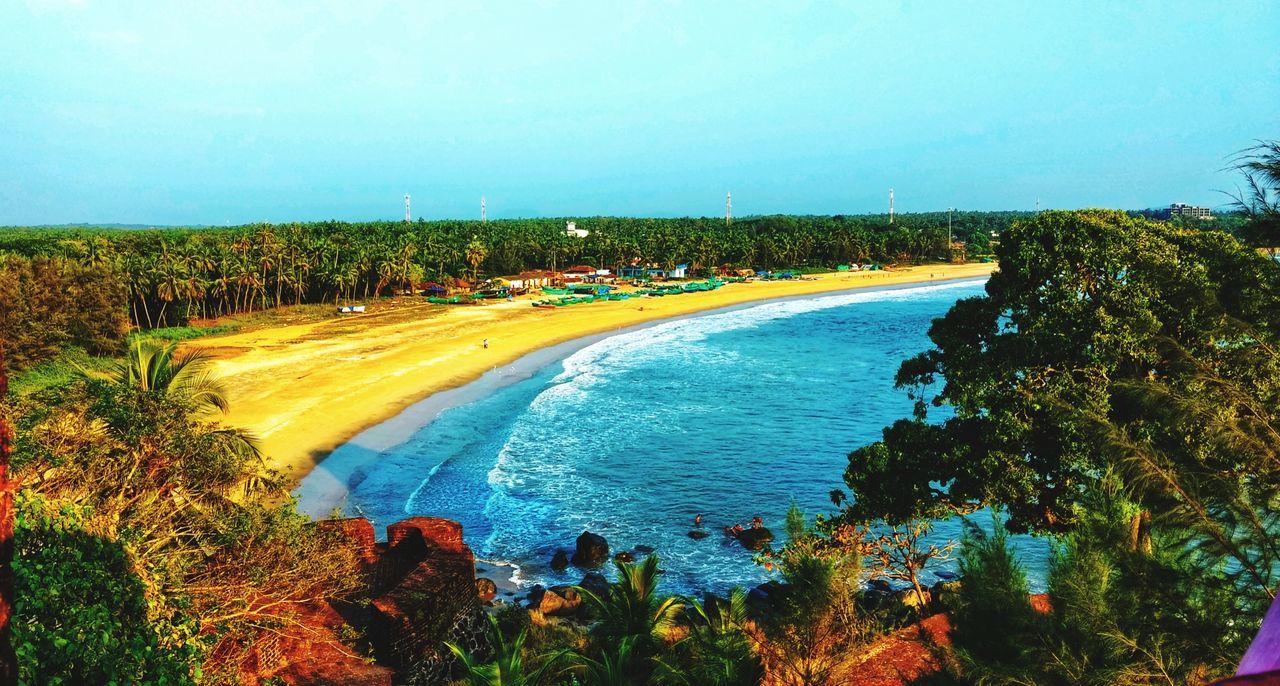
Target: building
{"type": "Point", "coordinates": [579, 272]}
{"type": "Point", "coordinates": [571, 229]}
{"type": "Point", "coordinates": [1181, 209]}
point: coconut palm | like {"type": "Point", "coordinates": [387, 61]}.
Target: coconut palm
{"type": "Point", "coordinates": [631, 607]}
{"type": "Point", "coordinates": [155, 365]}
{"type": "Point", "coordinates": [476, 252]}
{"type": "Point", "coordinates": [507, 666]}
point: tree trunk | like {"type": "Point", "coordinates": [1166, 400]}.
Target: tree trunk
{"type": "Point", "coordinates": [8, 658]}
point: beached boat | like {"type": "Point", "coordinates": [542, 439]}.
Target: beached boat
{"type": "Point", "coordinates": [555, 291]}
{"type": "Point", "coordinates": [451, 300]}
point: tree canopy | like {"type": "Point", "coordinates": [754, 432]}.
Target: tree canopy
{"type": "Point", "coordinates": [1104, 341]}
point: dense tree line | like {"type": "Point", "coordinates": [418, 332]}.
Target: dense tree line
{"type": "Point", "coordinates": [48, 303]}
{"type": "Point", "coordinates": [170, 276]}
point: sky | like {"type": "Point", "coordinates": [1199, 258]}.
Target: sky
{"type": "Point", "coordinates": [235, 112]}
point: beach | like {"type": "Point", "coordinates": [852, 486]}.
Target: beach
{"type": "Point", "coordinates": [306, 389]}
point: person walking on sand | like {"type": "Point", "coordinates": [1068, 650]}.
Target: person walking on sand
{"type": "Point", "coordinates": [485, 343]}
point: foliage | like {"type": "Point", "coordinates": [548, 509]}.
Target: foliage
{"type": "Point", "coordinates": [632, 608]}
{"type": "Point", "coordinates": [717, 650]}
{"type": "Point", "coordinates": [167, 277]}
{"type": "Point", "coordinates": [993, 618]}
{"type": "Point", "coordinates": [506, 668]}
{"type": "Point", "coordinates": [812, 622]}
{"type": "Point", "coordinates": [1128, 607]}
{"type": "Point", "coordinates": [190, 508]}
{"type": "Point", "coordinates": [1102, 340]}
{"type": "Point", "coordinates": [153, 365]}
{"type": "Point", "coordinates": [83, 615]}
{"type": "Point", "coordinates": [48, 303]}
{"type": "Point", "coordinates": [900, 553]}
{"type": "Point", "coordinates": [1259, 165]}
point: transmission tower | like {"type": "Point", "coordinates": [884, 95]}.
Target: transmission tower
{"type": "Point", "coordinates": [482, 215]}
{"type": "Point", "coordinates": [890, 205]}
{"type": "Point", "coordinates": [728, 208]}
{"type": "Point", "coordinates": [406, 207]}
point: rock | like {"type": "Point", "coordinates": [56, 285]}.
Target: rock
{"type": "Point", "coordinates": [646, 549]}
{"type": "Point", "coordinates": [947, 593]}
{"type": "Point", "coordinates": [486, 589]}
{"type": "Point", "coordinates": [908, 598]}
{"type": "Point", "coordinates": [624, 556]}
{"type": "Point", "coordinates": [596, 583]}
{"type": "Point", "coordinates": [591, 551]}
{"type": "Point", "coordinates": [698, 534]}
{"type": "Point", "coordinates": [557, 601]}
{"type": "Point", "coordinates": [754, 539]}
{"type": "Point", "coordinates": [946, 575]}
{"type": "Point", "coordinates": [880, 585]}
{"type": "Point", "coordinates": [560, 561]}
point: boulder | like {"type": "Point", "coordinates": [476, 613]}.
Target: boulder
{"type": "Point", "coordinates": [624, 556]}
{"type": "Point", "coordinates": [646, 549]}
{"type": "Point", "coordinates": [880, 585]}
{"type": "Point", "coordinates": [560, 561]}
{"type": "Point", "coordinates": [754, 539]}
{"type": "Point", "coordinates": [698, 534]}
{"type": "Point", "coordinates": [557, 601]}
{"type": "Point", "coordinates": [591, 550]}
{"type": "Point", "coordinates": [486, 589]}
{"type": "Point", "coordinates": [596, 583]}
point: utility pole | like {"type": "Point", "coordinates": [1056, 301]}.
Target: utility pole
{"type": "Point", "coordinates": [891, 206]}
{"type": "Point", "coordinates": [728, 208]}
{"type": "Point", "coordinates": [949, 211]}
{"type": "Point", "coordinates": [406, 208]}
{"type": "Point", "coordinates": [482, 217]}
{"type": "Point", "coordinates": [1037, 205]}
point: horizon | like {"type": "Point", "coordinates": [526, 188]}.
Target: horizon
{"type": "Point", "coordinates": [222, 115]}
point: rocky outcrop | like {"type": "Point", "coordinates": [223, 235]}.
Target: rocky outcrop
{"type": "Point", "coordinates": [624, 556]}
{"type": "Point", "coordinates": [560, 561]}
{"type": "Point", "coordinates": [591, 550]}
{"type": "Point", "coordinates": [486, 590]}
{"type": "Point", "coordinates": [698, 534]}
{"type": "Point", "coordinates": [557, 601]}
{"type": "Point", "coordinates": [754, 539]}
{"type": "Point", "coordinates": [596, 583]}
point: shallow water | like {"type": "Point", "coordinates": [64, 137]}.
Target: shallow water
{"type": "Point", "coordinates": [727, 415]}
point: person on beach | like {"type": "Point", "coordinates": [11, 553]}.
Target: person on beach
{"type": "Point", "coordinates": [697, 521]}
{"type": "Point", "coordinates": [756, 522]}
{"type": "Point", "coordinates": [485, 343]}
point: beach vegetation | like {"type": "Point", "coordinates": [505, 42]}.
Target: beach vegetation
{"type": "Point", "coordinates": [1117, 356]}
{"type": "Point", "coordinates": [154, 532]}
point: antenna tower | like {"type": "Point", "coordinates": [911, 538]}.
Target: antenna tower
{"type": "Point", "coordinates": [890, 205]}
{"type": "Point", "coordinates": [482, 215]}
{"type": "Point", "coordinates": [728, 208]}
{"type": "Point", "coordinates": [406, 207]}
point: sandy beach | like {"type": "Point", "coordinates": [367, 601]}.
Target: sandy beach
{"type": "Point", "coordinates": [306, 389]}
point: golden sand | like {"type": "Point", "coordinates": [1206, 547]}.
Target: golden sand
{"type": "Point", "coordinates": [305, 389]}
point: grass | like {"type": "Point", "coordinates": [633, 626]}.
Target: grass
{"type": "Point", "coordinates": [185, 333]}
{"type": "Point", "coordinates": [62, 370]}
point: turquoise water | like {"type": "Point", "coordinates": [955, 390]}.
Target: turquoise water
{"type": "Point", "coordinates": [728, 415]}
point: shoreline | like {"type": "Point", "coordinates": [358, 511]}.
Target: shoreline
{"type": "Point", "coordinates": [366, 383]}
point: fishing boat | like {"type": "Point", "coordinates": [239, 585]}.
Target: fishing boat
{"type": "Point", "coordinates": [451, 300]}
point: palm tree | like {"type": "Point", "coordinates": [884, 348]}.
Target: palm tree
{"type": "Point", "coordinates": [620, 664]}
{"type": "Point", "coordinates": [632, 607]}
{"type": "Point", "coordinates": [507, 666]}
{"type": "Point", "coordinates": [718, 645]}
{"type": "Point", "coordinates": [154, 365]}
{"type": "Point", "coordinates": [476, 252]}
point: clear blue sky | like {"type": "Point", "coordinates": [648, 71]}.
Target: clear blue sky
{"type": "Point", "coordinates": [213, 112]}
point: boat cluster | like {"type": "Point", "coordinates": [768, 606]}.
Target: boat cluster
{"type": "Point", "coordinates": [652, 292]}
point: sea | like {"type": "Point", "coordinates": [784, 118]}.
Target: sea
{"type": "Point", "coordinates": [728, 415]}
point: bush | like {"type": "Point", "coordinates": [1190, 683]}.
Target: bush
{"type": "Point", "coordinates": [82, 615]}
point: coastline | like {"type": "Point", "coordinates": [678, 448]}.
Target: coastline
{"type": "Point", "coordinates": [344, 385]}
